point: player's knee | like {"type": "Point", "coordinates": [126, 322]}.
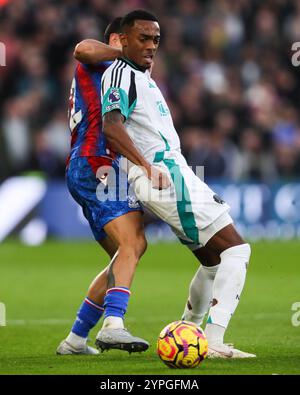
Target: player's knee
{"type": "Point", "coordinates": [241, 251]}
{"type": "Point", "coordinates": [134, 247]}
{"type": "Point", "coordinates": [245, 250]}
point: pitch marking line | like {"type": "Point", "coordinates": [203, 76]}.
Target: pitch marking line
{"type": "Point", "coordinates": [49, 321]}
{"type": "Point", "coordinates": [60, 321]}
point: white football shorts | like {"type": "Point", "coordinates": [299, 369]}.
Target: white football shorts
{"type": "Point", "coordinates": [194, 212]}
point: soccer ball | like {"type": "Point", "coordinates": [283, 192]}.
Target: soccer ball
{"type": "Point", "coordinates": [182, 344]}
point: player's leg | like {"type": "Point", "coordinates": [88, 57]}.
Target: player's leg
{"type": "Point", "coordinates": [208, 213]}
{"type": "Point", "coordinates": [196, 214]}
{"type": "Point", "coordinates": [98, 287]}
{"type": "Point", "coordinates": [200, 289]}
{"type": "Point", "coordinates": [204, 219]}
{"type": "Point", "coordinates": [115, 280]}
{"type": "Point", "coordinates": [128, 233]}
{"type": "Point", "coordinates": [201, 286]}
{"type": "Point", "coordinates": [91, 309]}
{"type": "Point", "coordinates": [82, 185]}
{"type": "Point", "coordinates": [227, 287]}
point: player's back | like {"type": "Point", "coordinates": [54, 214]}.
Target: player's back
{"type": "Point", "coordinates": [85, 113]}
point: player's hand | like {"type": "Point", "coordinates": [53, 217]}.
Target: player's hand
{"type": "Point", "coordinates": [159, 178]}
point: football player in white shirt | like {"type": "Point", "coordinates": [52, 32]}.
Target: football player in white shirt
{"type": "Point", "coordinates": [138, 124]}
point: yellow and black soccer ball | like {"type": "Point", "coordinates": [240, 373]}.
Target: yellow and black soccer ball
{"type": "Point", "coordinates": [182, 344]}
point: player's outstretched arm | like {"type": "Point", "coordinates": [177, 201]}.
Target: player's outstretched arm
{"type": "Point", "coordinates": [120, 141]}
{"type": "Point", "coordinates": [91, 51]}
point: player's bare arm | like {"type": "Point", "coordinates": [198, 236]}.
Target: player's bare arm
{"type": "Point", "coordinates": [120, 141]}
{"type": "Point", "coordinates": [91, 51]}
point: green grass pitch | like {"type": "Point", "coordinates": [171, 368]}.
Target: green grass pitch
{"type": "Point", "coordinates": [42, 288]}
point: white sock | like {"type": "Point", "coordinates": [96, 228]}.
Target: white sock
{"type": "Point", "coordinates": [214, 334]}
{"type": "Point", "coordinates": [227, 289]}
{"type": "Point", "coordinates": [200, 294]}
{"type": "Point", "coordinates": [75, 340]}
{"type": "Point", "coordinates": [113, 323]}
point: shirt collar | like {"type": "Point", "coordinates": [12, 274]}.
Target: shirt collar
{"type": "Point", "coordinates": [133, 65]}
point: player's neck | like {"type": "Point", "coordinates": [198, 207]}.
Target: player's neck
{"type": "Point", "coordinates": [133, 64]}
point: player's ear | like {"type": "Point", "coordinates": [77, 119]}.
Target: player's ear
{"type": "Point", "coordinates": [114, 40]}
{"type": "Point", "coordinates": [123, 39]}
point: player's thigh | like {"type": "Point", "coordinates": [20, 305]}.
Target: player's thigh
{"type": "Point", "coordinates": [225, 238]}
{"type": "Point", "coordinates": [127, 230]}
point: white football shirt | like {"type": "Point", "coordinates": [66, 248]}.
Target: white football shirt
{"type": "Point", "coordinates": [127, 88]}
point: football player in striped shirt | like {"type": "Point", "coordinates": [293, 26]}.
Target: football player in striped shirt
{"type": "Point", "coordinates": [115, 220]}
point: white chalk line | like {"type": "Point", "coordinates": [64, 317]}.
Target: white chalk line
{"type": "Point", "coordinates": [65, 321]}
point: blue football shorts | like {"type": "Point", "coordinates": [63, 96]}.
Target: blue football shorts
{"type": "Point", "coordinates": [102, 190]}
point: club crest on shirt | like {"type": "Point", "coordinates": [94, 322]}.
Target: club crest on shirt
{"type": "Point", "coordinates": [114, 96]}
{"type": "Point", "coordinates": [162, 108]}
{"type": "Point", "coordinates": [132, 201]}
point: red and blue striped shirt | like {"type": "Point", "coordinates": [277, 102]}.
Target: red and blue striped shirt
{"type": "Point", "coordinates": [85, 113]}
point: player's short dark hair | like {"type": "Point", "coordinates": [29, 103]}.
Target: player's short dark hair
{"type": "Point", "coordinates": [131, 17]}
{"type": "Point", "coordinates": [113, 27]}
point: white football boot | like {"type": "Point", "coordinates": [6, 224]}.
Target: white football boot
{"type": "Point", "coordinates": [227, 351]}
{"type": "Point", "coordinates": [120, 339]}
{"type": "Point", "coordinates": [66, 348]}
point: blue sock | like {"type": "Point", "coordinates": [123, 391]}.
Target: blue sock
{"type": "Point", "coordinates": [116, 302]}
{"type": "Point", "coordinates": [87, 317]}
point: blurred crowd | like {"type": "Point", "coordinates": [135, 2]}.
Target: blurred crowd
{"type": "Point", "coordinates": [224, 67]}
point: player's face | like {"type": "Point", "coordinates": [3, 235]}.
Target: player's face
{"type": "Point", "coordinates": [140, 42]}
